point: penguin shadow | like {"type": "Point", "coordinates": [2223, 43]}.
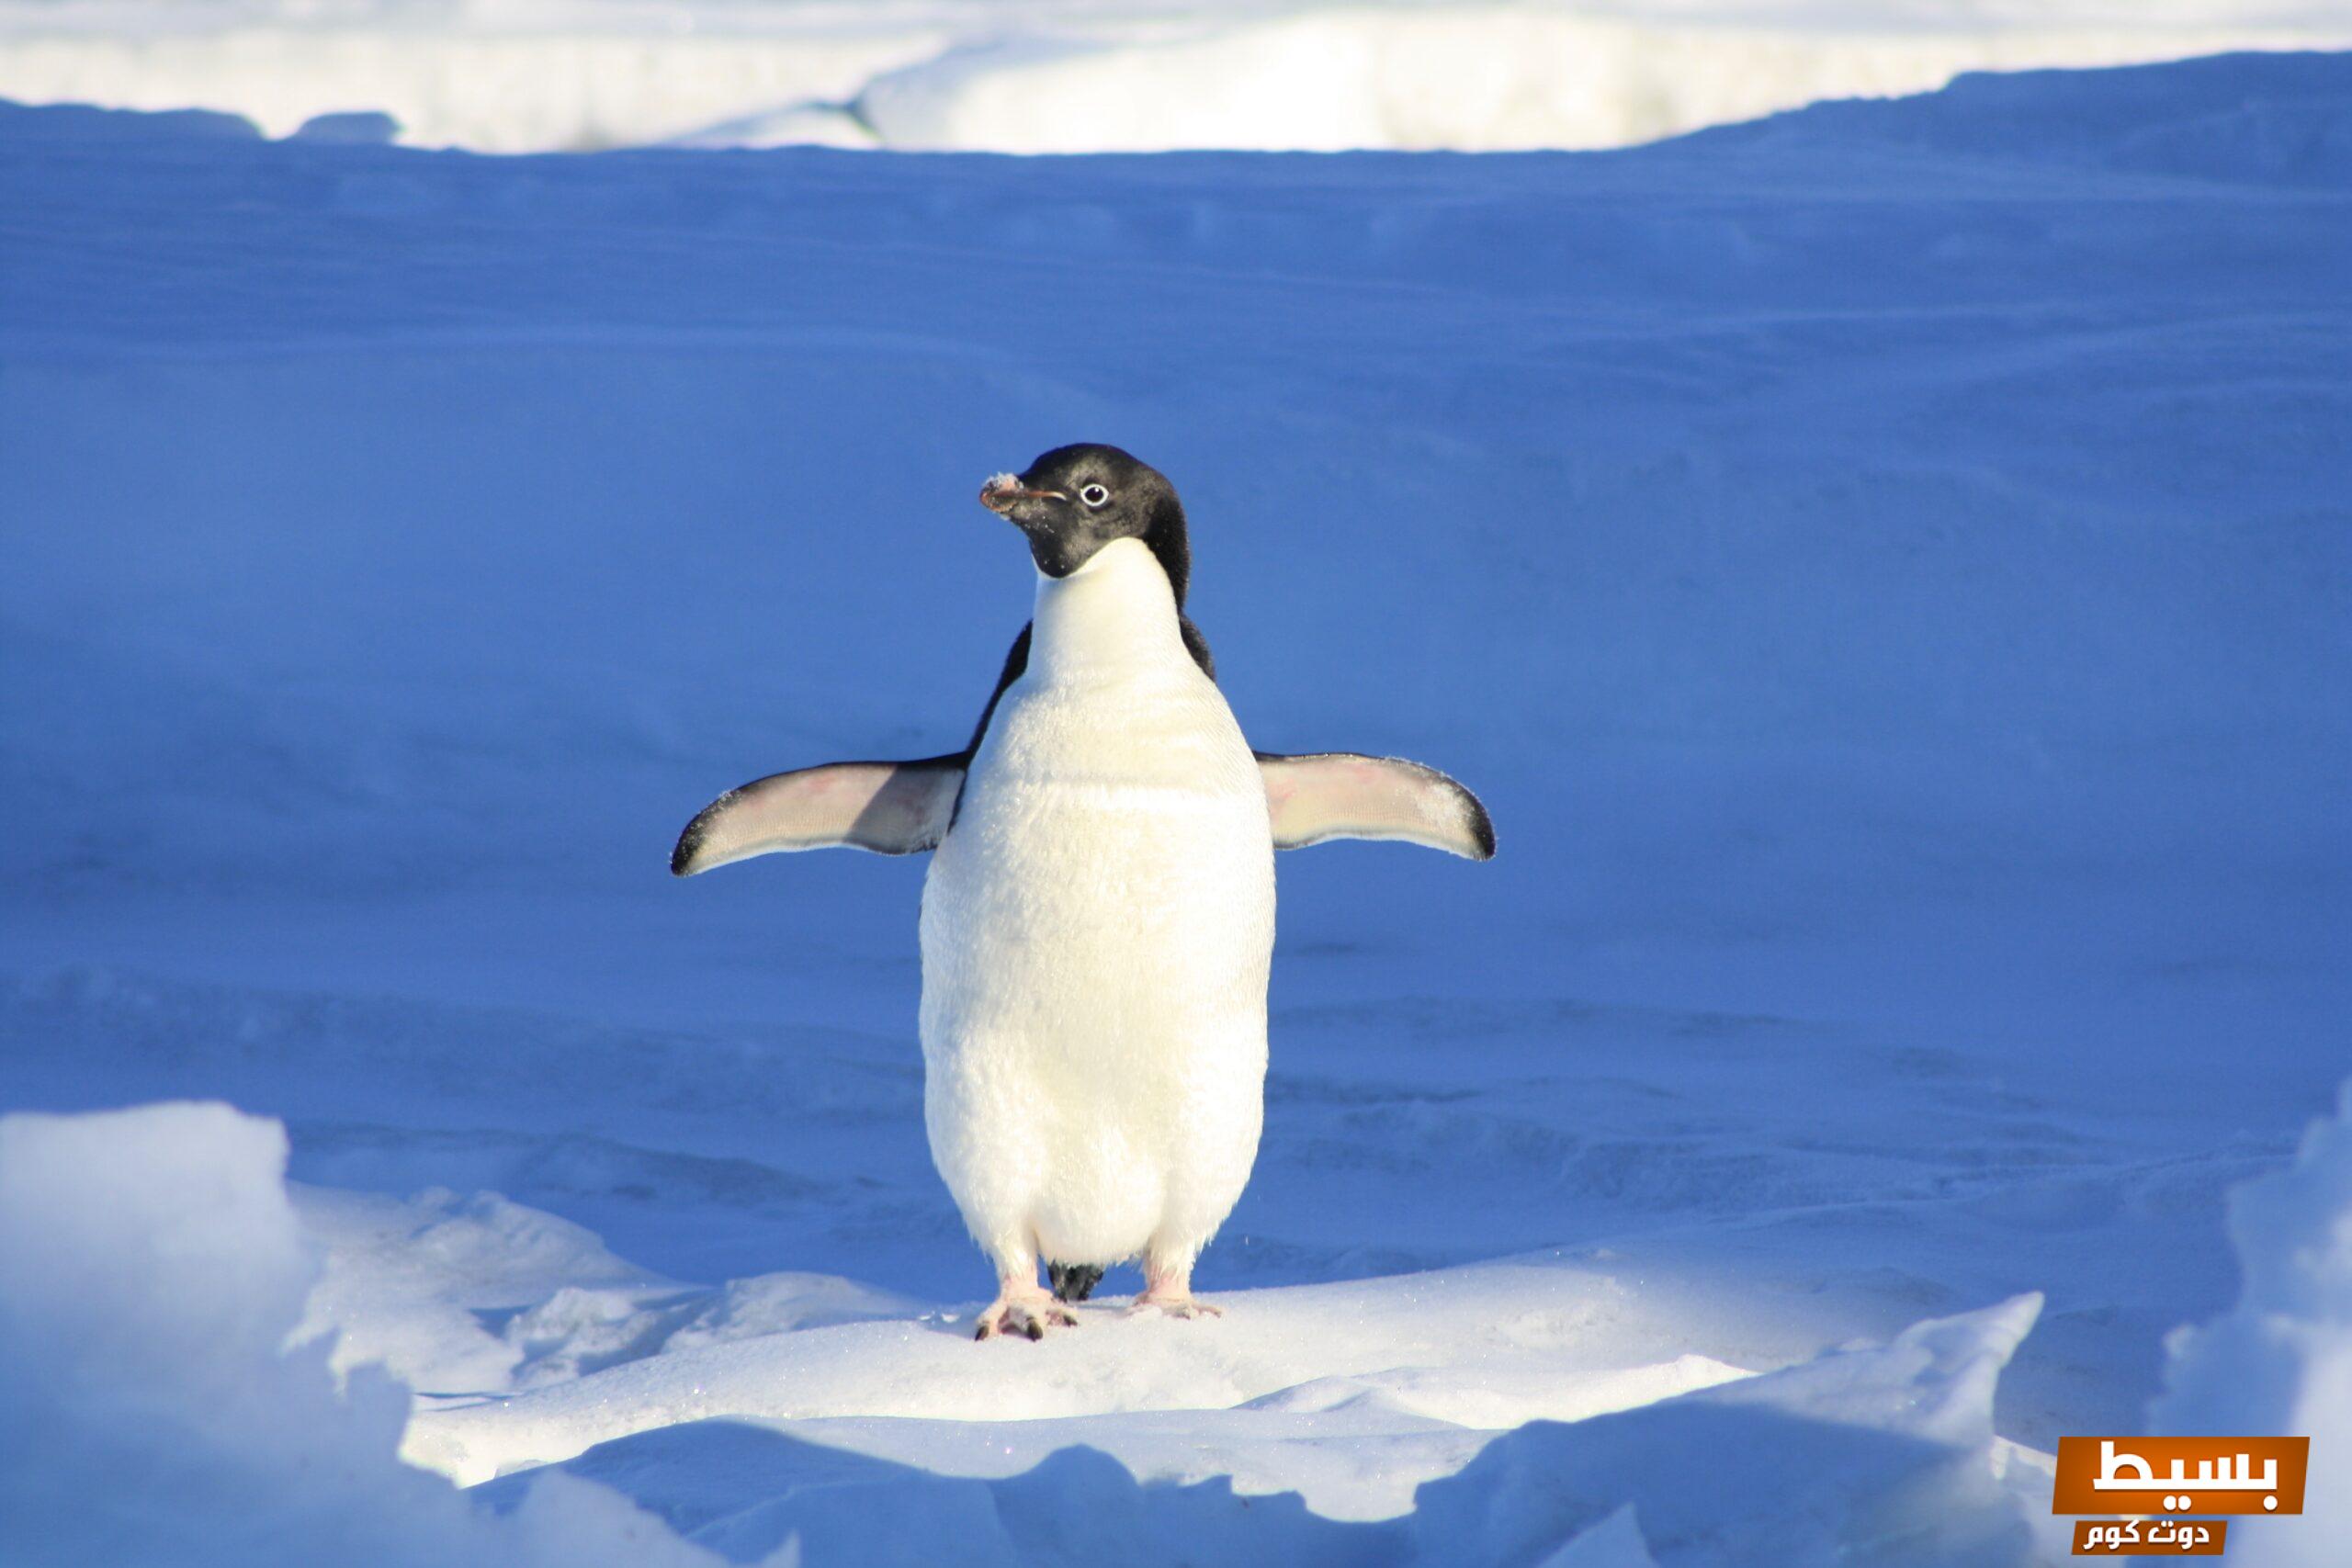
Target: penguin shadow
{"type": "Point", "coordinates": [1779, 1487]}
{"type": "Point", "coordinates": [1076, 1506]}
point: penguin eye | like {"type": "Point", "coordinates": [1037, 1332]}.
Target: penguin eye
{"type": "Point", "coordinates": [1093, 495]}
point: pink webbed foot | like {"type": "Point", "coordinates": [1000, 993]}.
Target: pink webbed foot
{"type": "Point", "coordinates": [1168, 1287]}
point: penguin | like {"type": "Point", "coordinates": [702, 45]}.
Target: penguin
{"type": "Point", "coordinates": [1098, 919]}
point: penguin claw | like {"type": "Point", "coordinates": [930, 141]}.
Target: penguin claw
{"type": "Point", "coordinates": [1185, 1306]}
{"type": "Point", "coordinates": [1028, 1319]}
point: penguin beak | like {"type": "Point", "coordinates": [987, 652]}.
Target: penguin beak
{"type": "Point", "coordinates": [1004, 492]}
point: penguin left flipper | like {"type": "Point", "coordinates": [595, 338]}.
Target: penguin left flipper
{"type": "Point", "coordinates": [1341, 795]}
{"type": "Point", "coordinates": [891, 809]}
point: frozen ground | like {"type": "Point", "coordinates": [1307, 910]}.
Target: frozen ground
{"type": "Point", "coordinates": [1886, 569]}
{"type": "Point", "coordinates": [1057, 75]}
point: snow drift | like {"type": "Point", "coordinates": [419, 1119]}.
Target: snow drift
{"type": "Point", "coordinates": [151, 1273]}
{"type": "Point", "coordinates": [2280, 1361]}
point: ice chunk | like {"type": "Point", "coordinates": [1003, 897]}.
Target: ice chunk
{"type": "Point", "coordinates": [1871, 1456]}
{"type": "Point", "coordinates": [151, 1271]}
{"type": "Point", "coordinates": [2280, 1361]}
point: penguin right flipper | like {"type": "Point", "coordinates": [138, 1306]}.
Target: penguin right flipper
{"type": "Point", "coordinates": [891, 809]}
{"type": "Point", "coordinates": [1343, 794]}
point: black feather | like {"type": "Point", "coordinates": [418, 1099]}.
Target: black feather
{"type": "Point", "coordinates": [1073, 1281]}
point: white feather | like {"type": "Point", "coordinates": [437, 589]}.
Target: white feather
{"type": "Point", "coordinates": [1096, 933]}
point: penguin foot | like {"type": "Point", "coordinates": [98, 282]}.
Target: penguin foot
{"type": "Point", "coordinates": [1173, 1303]}
{"type": "Point", "coordinates": [1026, 1316]}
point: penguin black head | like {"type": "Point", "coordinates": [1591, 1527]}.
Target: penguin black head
{"type": "Point", "coordinates": [1074, 499]}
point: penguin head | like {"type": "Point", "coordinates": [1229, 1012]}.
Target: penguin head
{"type": "Point", "coordinates": [1074, 499]}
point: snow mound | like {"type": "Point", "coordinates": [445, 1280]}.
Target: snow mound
{"type": "Point", "coordinates": [83, 122]}
{"type": "Point", "coordinates": [151, 1272]}
{"type": "Point", "coordinates": [570, 82]}
{"type": "Point", "coordinates": [1485, 1347]}
{"type": "Point", "coordinates": [1472, 78]}
{"type": "Point", "coordinates": [1038, 76]}
{"type": "Point", "coordinates": [1875, 1456]}
{"type": "Point", "coordinates": [1861, 1457]}
{"type": "Point", "coordinates": [414, 1285]}
{"type": "Point", "coordinates": [2280, 1363]}
{"type": "Point", "coordinates": [2282, 120]}
{"type": "Point", "coordinates": [365, 127]}
{"type": "Point", "coordinates": [473, 1297]}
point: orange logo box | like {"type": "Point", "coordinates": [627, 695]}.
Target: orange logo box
{"type": "Point", "coordinates": [2181, 1475]}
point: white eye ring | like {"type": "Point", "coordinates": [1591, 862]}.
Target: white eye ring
{"type": "Point", "coordinates": [1093, 495]}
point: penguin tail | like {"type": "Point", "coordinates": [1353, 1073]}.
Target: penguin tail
{"type": "Point", "coordinates": [1073, 1281]}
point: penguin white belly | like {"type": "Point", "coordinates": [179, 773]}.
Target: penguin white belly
{"type": "Point", "coordinates": [1096, 933]}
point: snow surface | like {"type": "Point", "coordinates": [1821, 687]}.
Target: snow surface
{"type": "Point", "coordinates": [153, 1270]}
{"type": "Point", "coordinates": [1038, 75]}
{"type": "Point", "coordinates": [157, 1267]}
{"type": "Point", "coordinates": [1884, 567]}
{"type": "Point", "coordinates": [2281, 1359]}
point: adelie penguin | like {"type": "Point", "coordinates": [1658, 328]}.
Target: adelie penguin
{"type": "Point", "coordinates": [1099, 916]}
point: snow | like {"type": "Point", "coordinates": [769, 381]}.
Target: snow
{"type": "Point", "coordinates": [1870, 1456]}
{"type": "Point", "coordinates": [158, 1269]}
{"type": "Point", "coordinates": [1882, 566]}
{"type": "Point", "coordinates": [154, 1271]}
{"type": "Point", "coordinates": [1040, 76]}
{"type": "Point", "coordinates": [1483, 1349]}
{"type": "Point", "coordinates": [2280, 1360]}
{"type": "Point", "coordinates": [1910, 1421]}
{"type": "Point", "coordinates": [1471, 78]}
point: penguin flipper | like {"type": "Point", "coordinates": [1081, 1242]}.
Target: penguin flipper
{"type": "Point", "coordinates": [891, 809]}
{"type": "Point", "coordinates": [1341, 795]}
